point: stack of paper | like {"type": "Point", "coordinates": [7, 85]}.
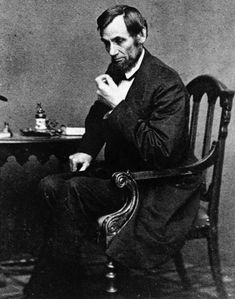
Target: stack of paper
{"type": "Point", "coordinates": [72, 131]}
{"type": "Point", "coordinates": [5, 135]}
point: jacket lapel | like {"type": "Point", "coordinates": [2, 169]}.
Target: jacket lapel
{"type": "Point", "coordinates": [138, 87]}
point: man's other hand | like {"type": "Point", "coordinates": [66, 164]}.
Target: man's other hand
{"type": "Point", "coordinates": [107, 90]}
{"type": "Point", "coordinates": [82, 159]}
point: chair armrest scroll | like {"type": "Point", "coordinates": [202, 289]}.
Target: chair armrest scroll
{"type": "Point", "coordinates": [112, 224]}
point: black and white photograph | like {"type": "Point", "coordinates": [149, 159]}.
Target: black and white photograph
{"type": "Point", "coordinates": [117, 156]}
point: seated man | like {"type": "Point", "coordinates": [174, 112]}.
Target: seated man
{"type": "Point", "coordinates": [141, 115]}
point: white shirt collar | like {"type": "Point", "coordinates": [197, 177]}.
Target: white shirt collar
{"type": "Point", "coordinates": [136, 67]}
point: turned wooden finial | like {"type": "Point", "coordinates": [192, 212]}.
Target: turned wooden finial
{"type": "Point", "coordinates": [111, 278]}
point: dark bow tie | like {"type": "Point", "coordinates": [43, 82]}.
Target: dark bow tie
{"type": "Point", "coordinates": [122, 76]}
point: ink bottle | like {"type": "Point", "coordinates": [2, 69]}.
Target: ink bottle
{"type": "Point", "coordinates": [40, 118]}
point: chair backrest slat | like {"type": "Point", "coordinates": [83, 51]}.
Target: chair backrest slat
{"type": "Point", "coordinates": [208, 128]}
{"type": "Point", "coordinates": [193, 124]}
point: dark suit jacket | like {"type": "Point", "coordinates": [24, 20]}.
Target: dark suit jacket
{"type": "Point", "coordinates": [148, 130]}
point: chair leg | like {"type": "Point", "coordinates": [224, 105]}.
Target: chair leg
{"type": "Point", "coordinates": [214, 258]}
{"type": "Point", "coordinates": [180, 268]}
{"type": "Point", "coordinates": [111, 277]}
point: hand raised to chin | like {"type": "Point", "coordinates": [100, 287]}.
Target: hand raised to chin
{"type": "Point", "coordinates": [108, 90]}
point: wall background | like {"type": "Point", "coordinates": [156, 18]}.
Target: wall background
{"type": "Point", "coordinates": [50, 53]}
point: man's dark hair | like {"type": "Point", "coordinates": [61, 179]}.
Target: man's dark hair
{"type": "Point", "coordinates": [133, 19]}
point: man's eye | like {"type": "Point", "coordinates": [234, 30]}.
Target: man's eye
{"type": "Point", "coordinates": [119, 40]}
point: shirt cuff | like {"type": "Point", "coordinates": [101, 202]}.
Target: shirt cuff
{"type": "Point", "coordinates": [107, 114]}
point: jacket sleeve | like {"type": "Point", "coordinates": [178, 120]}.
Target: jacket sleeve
{"type": "Point", "coordinates": [93, 139]}
{"type": "Point", "coordinates": [159, 136]}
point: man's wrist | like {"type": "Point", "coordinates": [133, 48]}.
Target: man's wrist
{"type": "Point", "coordinates": [116, 101]}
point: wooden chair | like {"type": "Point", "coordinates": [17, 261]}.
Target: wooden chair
{"type": "Point", "coordinates": [212, 157]}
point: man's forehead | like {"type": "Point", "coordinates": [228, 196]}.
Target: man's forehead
{"type": "Point", "coordinates": [116, 28]}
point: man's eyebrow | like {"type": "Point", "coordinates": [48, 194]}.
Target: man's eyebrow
{"type": "Point", "coordinates": [113, 39]}
{"type": "Point", "coordinates": [103, 39]}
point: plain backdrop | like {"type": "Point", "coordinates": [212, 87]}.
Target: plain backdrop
{"type": "Point", "coordinates": [50, 52]}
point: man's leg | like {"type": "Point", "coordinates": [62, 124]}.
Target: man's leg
{"type": "Point", "coordinates": [75, 205]}
{"type": "Point", "coordinates": [72, 204]}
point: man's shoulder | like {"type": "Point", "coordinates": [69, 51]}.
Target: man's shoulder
{"type": "Point", "coordinates": [158, 65]}
{"type": "Point", "coordinates": [159, 70]}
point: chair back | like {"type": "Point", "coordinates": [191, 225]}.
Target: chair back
{"type": "Point", "coordinates": [214, 91]}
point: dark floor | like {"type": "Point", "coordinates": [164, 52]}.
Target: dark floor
{"type": "Point", "coordinates": [165, 284]}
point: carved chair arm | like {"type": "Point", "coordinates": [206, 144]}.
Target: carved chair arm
{"type": "Point", "coordinates": [194, 168]}
{"type": "Point", "coordinates": [113, 223]}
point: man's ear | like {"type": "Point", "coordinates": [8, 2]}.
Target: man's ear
{"type": "Point", "coordinates": [141, 37]}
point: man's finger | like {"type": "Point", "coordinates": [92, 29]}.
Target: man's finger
{"type": "Point", "coordinates": [110, 81]}
{"type": "Point", "coordinates": [103, 79]}
{"type": "Point", "coordinates": [84, 166]}
{"type": "Point", "coordinates": [73, 167]}
{"type": "Point", "coordinates": [100, 79]}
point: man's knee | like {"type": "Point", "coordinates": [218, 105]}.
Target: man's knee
{"type": "Point", "coordinates": [49, 183]}
{"type": "Point", "coordinates": [49, 188]}
{"type": "Point", "coordinates": [79, 185]}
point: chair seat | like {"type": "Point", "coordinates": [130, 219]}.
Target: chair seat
{"type": "Point", "coordinates": [198, 230]}
{"type": "Point", "coordinates": [202, 218]}
{"type": "Point", "coordinates": [201, 224]}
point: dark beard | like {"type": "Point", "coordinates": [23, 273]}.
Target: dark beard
{"type": "Point", "coordinates": [127, 65]}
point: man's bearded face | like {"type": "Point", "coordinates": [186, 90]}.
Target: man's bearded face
{"type": "Point", "coordinates": [123, 48]}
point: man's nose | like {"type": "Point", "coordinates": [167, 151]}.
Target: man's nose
{"type": "Point", "coordinates": [113, 50]}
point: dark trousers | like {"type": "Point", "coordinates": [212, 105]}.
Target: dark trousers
{"type": "Point", "coordinates": [73, 203]}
